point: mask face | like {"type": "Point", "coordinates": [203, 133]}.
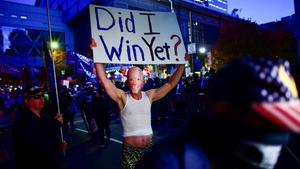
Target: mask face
{"type": "Point", "coordinates": [134, 88]}
{"type": "Point", "coordinates": [258, 155]}
{"type": "Point", "coordinates": [135, 81]}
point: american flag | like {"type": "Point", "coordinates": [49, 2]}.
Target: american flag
{"type": "Point", "coordinates": [285, 114]}
{"type": "Point", "coordinates": [279, 103]}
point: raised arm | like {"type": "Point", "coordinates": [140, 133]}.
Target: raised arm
{"type": "Point", "coordinates": [111, 90]}
{"type": "Point", "coordinates": [156, 94]}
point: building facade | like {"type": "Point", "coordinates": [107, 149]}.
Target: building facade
{"type": "Point", "coordinates": [24, 41]}
{"type": "Point", "coordinates": [218, 5]}
{"type": "Point", "coordinates": [27, 29]}
{"type": "Point", "coordinates": [199, 22]}
{"type": "Point", "coordinates": [297, 21]}
{"type": "Point", "coordinates": [24, 33]}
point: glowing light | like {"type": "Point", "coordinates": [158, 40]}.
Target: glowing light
{"type": "Point", "coordinates": [54, 45]}
{"type": "Point", "coordinates": [202, 50]}
{"type": "Point", "coordinates": [23, 17]}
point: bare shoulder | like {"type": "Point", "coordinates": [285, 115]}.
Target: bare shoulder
{"type": "Point", "coordinates": [150, 93]}
{"type": "Point", "coordinates": [122, 99]}
{"type": "Point", "coordinates": [122, 94]}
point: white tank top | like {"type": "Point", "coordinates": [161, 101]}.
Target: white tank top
{"type": "Point", "coordinates": [136, 116]}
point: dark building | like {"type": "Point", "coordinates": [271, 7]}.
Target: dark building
{"type": "Point", "coordinates": [218, 5]}
{"type": "Point", "coordinates": [24, 28]}
{"type": "Point", "coordinates": [24, 37]}
{"type": "Point", "coordinates": [199, 21]}
{"type": "Point", "coordinates": [297, 17]}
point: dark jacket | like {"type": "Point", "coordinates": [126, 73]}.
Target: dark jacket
{"type": "Point", "coordinates": [206, 145]}
{"type": "Point", "coordinates": [36, 141]}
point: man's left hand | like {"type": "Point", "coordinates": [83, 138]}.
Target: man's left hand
{"type": "Point", "coordinates": [59, 118]}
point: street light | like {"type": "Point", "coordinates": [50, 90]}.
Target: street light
{"type": "Point", "coordinates": [202, 50]}
{"type": "Point", "coordinates": [54, 45]}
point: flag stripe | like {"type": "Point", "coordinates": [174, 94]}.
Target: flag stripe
{"type": "Point", "coordinates": [295, 106]}
{"type": "Point", "coordinates": [270, 109]}
{"type": "Point", "coordinates": [265, 113]}
{"type": "Point", "coordinates": [279, 114]}
{"type": "Point", "coordinates": [281, 117]}
{"type": "Point", "coordinates": [289, 114]}
{"type": "Point", "coordinates": [288, 111]}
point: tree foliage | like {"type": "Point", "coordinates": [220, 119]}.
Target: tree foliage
{"type": "Point", "coordinates": [240, 38]}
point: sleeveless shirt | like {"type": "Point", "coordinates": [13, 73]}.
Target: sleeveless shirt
{"type": "Point", "coordinates": [136, 116]}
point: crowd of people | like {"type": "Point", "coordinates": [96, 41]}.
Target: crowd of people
{"type": "Point", "coordinates": [233, 119]}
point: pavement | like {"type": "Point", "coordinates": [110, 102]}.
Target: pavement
{"type": "Point", "coordinates": [85, 153]}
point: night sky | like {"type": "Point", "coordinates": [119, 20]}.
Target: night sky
{"type": "Point", "coordinates": [262, 11]}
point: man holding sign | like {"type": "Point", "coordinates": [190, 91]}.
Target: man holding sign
{"type": "Point", "coordinates": [135, 110]}
{"type": "Point", "coordinates": [135, 37]}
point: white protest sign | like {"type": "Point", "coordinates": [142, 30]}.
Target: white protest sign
{"type": "Point", "coordinates": [135, 37]}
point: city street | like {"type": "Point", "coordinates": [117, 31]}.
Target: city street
{"type": "Point", "coordinates": [225, 71]}
{"type": "Point", "coordinates": [83, 153]}
{"type": "Point", "coordinates": [86, 154]}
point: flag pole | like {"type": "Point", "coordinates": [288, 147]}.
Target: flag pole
{"type": "Point", "coordinates": [53, 66]}
{"type": "Point", "coordinates": [171, 5]}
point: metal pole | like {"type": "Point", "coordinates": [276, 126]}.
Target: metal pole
{"type": "Point", "coordinates": [53, 66]}
{"type": "Point", "coordinates": [171, 4]}
{"type": "Point", "coordinates": [191, 39]}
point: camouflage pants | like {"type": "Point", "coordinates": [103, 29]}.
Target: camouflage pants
{"type": "Point", "coordinates": [132, 155]}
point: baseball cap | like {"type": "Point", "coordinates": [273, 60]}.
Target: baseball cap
{"type": "Point", "coordinates": [264, 86]}
{"type": "Point", "coordinates": [32, 90]}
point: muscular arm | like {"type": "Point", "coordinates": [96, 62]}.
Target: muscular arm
{"type": "Point", "coordinates": [111, 90]}
{"type": "Point", "coordinates": [156, 94]}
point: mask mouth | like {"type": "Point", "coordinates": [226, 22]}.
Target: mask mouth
{"type": "Point", "coordinates": [258, 155]}
{"type": "Point", "coordinates": [134, 89]}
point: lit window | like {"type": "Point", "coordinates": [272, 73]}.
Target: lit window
{"type": "Point", "coordinates": [223, 2]}
{"type": "Point", "coordinates": [14, 16]}
{"type": "Point", "coordinates": [1, 14]}
{"type": "Point", "coordinates": [223, 9]}
{"type": "Point", "coordinates": [23, 17]}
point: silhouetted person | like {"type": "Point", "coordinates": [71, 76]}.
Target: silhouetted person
{"type": "Point", "coordinates": [36, 135]}
{"type": "Point", "coordinates": [102, 116]}
{"type": "Point", "coordinates": [252, 106]}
